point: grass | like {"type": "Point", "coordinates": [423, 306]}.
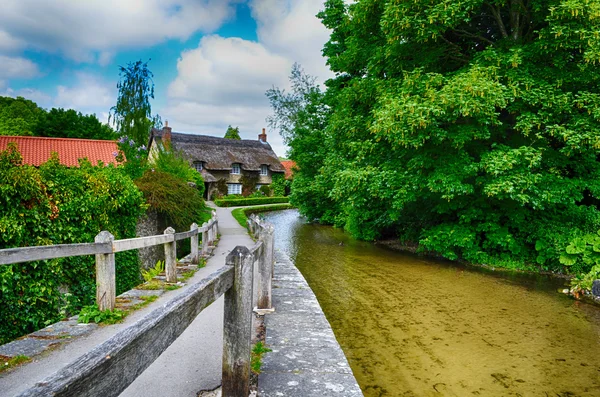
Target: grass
{"type": "Point", "coordinates": [7, 363]}
{"type": "Point", "coordinates": [258, 351]}
{"type": "Point", "coordinates": [241, 214]}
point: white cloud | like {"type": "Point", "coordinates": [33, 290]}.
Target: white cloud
{"type": "Point", "coordinates": [91, 30]}
{"type": "Point", "coordinates": [89, 95]}
{"type": "Point", "coordinates": [290, 28]}
{"type": "Point", "coordinates": [17, 67]}
{"type": "Point", "coordinates": [9, 43]}
{"type": "Point", "coordinates": [227, 70]}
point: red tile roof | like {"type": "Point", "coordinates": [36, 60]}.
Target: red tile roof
{"type": "Point", "coordinates": [289, 166]}
{"type": "Point", "coordinates": [37, 150]}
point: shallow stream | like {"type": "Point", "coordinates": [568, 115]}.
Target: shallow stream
{"type": "Point", "coordinates": [412, 326]}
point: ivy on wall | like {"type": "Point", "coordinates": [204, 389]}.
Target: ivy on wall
{"type": "Point", "coordinates": [54, 204]}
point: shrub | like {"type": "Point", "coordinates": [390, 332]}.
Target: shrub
{"type": "Point", "coordinates": [55, 204]}
{"type": "Point", "coordinates": [266, 190]}
{"type": "Point", "coordinates": [248, 184]}
{"type": "Point", "coordinates": [175, 163]}
{"type": "Point", "coordinates": [278, 184]}
{"type": "Point", "coordinates": [250, 201]}
{"type": "Point", "coordinates": [170, 196]}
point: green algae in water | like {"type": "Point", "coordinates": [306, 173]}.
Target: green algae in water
{"type": "Point", "coordinates": [411, 326]}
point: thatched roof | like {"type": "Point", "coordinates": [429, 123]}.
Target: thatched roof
{"type": "Point", "coordinates": [220, 153]}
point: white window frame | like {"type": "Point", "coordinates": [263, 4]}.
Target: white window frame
{"type": "Point", "coordinates": [234, 188]}
{"type": "Point", "coordinates": [198, 165]}
{"type": "Point", "coordinates": [235, 168]}
{"type": "Point", "coordinates": [264, 170]}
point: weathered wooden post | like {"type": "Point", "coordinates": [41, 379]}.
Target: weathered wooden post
{"type": "Point", "coordinates": [237, 328]}
{"type": "Point", "coordinates": [194, 244]}
{"type": "Point", "coordinates": [171, 257]}
{"type": "Point", "coordinates": [265, 266]}
{"type": "Point", "coordinates": [205, 238]}
{"type": "Point", "coordinates": [106, 290]}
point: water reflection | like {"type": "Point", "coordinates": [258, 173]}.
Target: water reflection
{"type": "Point", "coordinates": [416, 327]}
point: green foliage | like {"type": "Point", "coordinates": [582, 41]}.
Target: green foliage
{"type": "Point", "coordinates": [175, 163]}
{"type": "Point", "coordinates": [250, 201]}
{"type": "Point", "coordinates": [54, 204]}
{"type": "Point", "coordinates": [249, 182]}
{"type": "Point", "coordinates": [472, 128]}
{"type": "Point", "coordinates": [149, 274]}
{"type": "Point", "coordinates": [265, 190]}
{"type": "Point", "coordinates": [278, 184]}
{"type": "Point", "coordinates": [233, 133]}
{"type": "Point", "coordinates": [582, 257]}
{"type": "Point", "coordinates": [258, 351]}
{"type": "Point", "coordinates": [132, 114]}
{"type": "Point", "coordinates": [221, 187]}
{"type": "Point", "coordinates": [8, 363]}
{"type": "Point", "coordinates": [68, 123]}
{"type": "Point", "coordinates": [173, 198]}
{"type": "Point", "coordinates": [91, 314]}
{"type": "Point", "coordinates": [19, 116]}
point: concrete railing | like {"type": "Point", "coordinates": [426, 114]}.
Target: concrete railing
{"type": "Point", "coordinates": [112, 366]}
{"type": "Point", "coordinates": [105, 247]}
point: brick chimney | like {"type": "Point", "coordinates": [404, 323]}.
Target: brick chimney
{"type": "Point", "coordinates": [166, 134]}
{"type": "Point", "coordinates": [263, 137]}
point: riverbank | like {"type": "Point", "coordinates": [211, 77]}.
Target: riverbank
{"type": "Point", "coordinates": [584, 296]}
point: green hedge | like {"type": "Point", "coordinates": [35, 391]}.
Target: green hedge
{"type": "Point", "coordinates": [54, 204]}
{"type": "Point", "coordinates": [250, 201]}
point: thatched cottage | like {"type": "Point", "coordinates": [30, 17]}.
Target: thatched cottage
{"type": "Point", "coordinates": [222, 159]}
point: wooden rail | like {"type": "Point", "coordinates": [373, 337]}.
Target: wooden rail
{"type": "Point", "coordinates": [105, 247]}
{"type": "Point", "coordinates": [112, 366]}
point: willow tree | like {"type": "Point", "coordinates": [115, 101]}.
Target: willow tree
{"type": "Point", "coordinates": [471, 127]}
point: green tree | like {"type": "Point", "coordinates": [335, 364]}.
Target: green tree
{"type": "Point", "coordinates": [19, 116]}
{"type": "Point", "coordinates": [472, 128]}
{"type": "Point", "coordinates": [132, 115]}
{"type": "Point", "coordinates": [300, 115]}
{"type": "Point", "coordinates": [68, 123]}
{"type": "Point", "coordinates": [233, 133]}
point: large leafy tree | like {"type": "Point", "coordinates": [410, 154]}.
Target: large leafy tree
{"type": "Point", "coordinates": [132, 115]}
{"type": "Point", "coordinates": [233, 133]}
{"type": "Point", "coordinates": [68, 123]}
{"type": "Point", "coordinates": [472, 127]}
{"type": "Point", "coordinates": [19, 116]}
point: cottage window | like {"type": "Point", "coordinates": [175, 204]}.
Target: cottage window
{"type": "Point", "coordinates": [234, 188]}
{"type": "Point", "coordinates": [198, 165]}
{"type": "Point", "coordinates": [264, 170]}
{"type": "Point", "coordinates": [235, 168]}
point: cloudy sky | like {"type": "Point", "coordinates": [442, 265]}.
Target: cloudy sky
{"type": "Point", "coordinates": [212, 60]}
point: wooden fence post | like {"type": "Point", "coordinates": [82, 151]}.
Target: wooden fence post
{"type": "Point", "coordinates": [194, 244]}
{"type": "Point", "coordinates": [237, 328]}
{"type": "Point", "coordinates": [265, 267]}
{"type": "Point", "coordinates": [106, 290]}
{"type": "Point", "coordinates": [204, 238]}
{"type": "Point", "coordinates": [171, 257]}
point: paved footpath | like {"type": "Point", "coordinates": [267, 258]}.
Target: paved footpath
{"type": "Point", "coordinates": [190, 364]}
